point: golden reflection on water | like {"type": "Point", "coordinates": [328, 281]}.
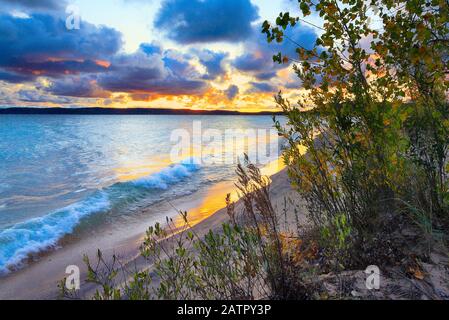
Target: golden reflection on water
{"type": "Point", "coordinates": [131, 170]}
{"type": "Point", "coordinates": [211, 200]}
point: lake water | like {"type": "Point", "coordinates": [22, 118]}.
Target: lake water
{"type": "Point", "coordinates": [58, 171]}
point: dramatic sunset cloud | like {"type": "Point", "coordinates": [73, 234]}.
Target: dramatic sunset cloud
{"type": "Point", "coordinates": [40, 45]}
{"type": "Point", "coordinates": [202, 54]}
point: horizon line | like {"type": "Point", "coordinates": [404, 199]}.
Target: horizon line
{"type": "Point", "coordinates": [127, 111]}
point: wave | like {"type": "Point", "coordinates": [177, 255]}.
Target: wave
{"type": "Point", "coordinates": [24, 239]}
{"type": "Point", "coordinates": [168, 176]}
{"type": "Point", "coordinates": [38, 234]}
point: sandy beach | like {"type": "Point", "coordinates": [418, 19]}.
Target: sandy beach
{"type": "Point", "coordinates": [39, 279]}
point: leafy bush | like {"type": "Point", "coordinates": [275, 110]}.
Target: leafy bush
{"type": "Point", "coordinates": [374, 118]}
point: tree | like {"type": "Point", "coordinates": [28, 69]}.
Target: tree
{"type": "Point", "coordinates": [376, 90]}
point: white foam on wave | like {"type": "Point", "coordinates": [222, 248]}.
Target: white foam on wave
{"type": "Point", "coordinates": [32, 236]}
{"type": "Point", "coordinates": [35, 235]}
{"type": "Point", "coordinates": [169, 175]}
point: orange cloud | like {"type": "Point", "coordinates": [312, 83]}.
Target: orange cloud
{"type": "Point", "coordinates": [103, 63]}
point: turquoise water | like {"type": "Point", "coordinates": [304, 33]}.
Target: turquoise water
{"type": "Point", "coordinates": [57, 171]}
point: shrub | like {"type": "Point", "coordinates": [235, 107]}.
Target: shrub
{"type": "Point", "coordinates": [375, 120]}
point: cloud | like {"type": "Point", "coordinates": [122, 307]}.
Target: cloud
{"type": "Point", "coordinates": [55, 68]}
{"type": "Point", "coordinates": [150, 48]}
{"type": "Point", "coordinates": [81, 87]}
{"type": "Point", "coordinates": [87, 63]}
{"type": "Point", "coordinates": [13, 77]}
{"type": "Point", "coordinates": [179, 64]}
{"type": "Point", "coordinates": [258, 57]}
{"type": "Point", "coordinates": [32, 4]}
{"type": "Point", "coordinates": [140, 96]}
{"type": "Point", "coordinates": [213, 61]}
{"type": "Point", "coordinates": [165, 73]}
{"type": "Point", "coordinates": [265, 75]}
{"type": "Point", "coordinates": [132, 72]}
{"type": "Point", "coordinates": [199, 21]}
{"type": "Point", "coordinates": [35, 96]}
{"type": "Point", "coordinates": [178, 87]}
{"type": "Point", "coordinates": [232, 91]}
{"type": "Point", "coordinates": [261, 87]}
{"type": "Point", "coordinates": [41, 45]}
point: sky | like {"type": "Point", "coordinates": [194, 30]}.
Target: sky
{"type": "Point", "coordinates": [198, 54]}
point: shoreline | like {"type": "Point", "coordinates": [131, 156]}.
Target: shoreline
{"type": "Point", "coordinates": [206, 209]}
{"type": "Point", "coordinates": [129, 111]}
